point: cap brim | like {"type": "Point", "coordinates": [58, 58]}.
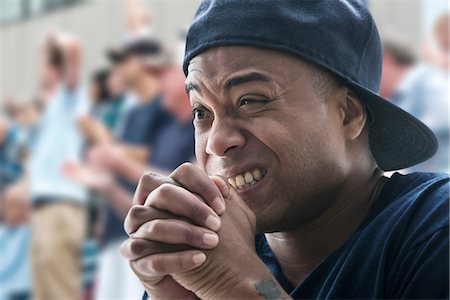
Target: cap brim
{"type": "Point", "coordinates": [397, 139]}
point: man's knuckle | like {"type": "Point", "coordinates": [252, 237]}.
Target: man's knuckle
{"type": "Point", "coordinates": [147, 176]}
{"type": "Point", "coordinates": [190, 236]}
{"type": "Point", "coordinates": [156, 265]}
{"type": "Point", "coordinates": [134, 212]}
{"type": "Point", "coordinates": [131, 218]}
{"type": "Point", "coordinates": [155, 228]}
{"type": "Point", "coordinates": [183, 169]}
{"type": "Point", "coordinates": [135, 247]}
{"type": "Point", "coordinates": [196, 210]}
{"type": "Point", "coordinates": [164, 191]}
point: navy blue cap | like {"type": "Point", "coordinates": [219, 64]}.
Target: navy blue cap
{"type": "Point", "coordinates": [338, 35]}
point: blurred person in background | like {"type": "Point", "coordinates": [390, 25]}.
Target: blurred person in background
{"type": "Point", "coordinates": [15, 283]}
{"type": "Point", "coordinates": [139, 63]}
{"type": "Point", "coordinates": [172, 144]}
{"type": "Point", "coordinates": [49, 66]}
{"type": "Point", "coordinates": [93, 125]}
{"type": "Point", "coordinates": [120, 102]}
{"type": "Point", "coordinates": [16, 131]}
{"type": "Point", "coordinates": [99, 93]}
{"type": "Point", "coordinates": [420, 89]}
{"type": "Point", "coordinates": [10, 154]}
{"type": "Point", "coordinates": [58, 205]}
{"type": "Point", "coordinates": [104, 124]}
{"type": "Point", "coordinates": [436, 49]}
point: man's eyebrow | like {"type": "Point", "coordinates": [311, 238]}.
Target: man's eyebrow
{"type": "Point", "coordinates": [192, 87]}
{"type": "Point", "coordinates": [232, 82]}
{"type": "Point", "coordinates": [241, 79]}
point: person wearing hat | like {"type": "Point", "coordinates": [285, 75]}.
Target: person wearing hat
{"type": "Point", "coordinates": [139, 63]}
{"type": "Point", "coordinates": [292, 140]}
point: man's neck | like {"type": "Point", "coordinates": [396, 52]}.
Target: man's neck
{"type": "Point", "coordinates": [49, 91]}
{"type": "Point", "coordinates": [145, 89]}
{"type": "Point", "coordinates": [298, 252]}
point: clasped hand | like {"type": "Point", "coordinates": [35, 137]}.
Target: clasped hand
{"type": "Point", "coordinates": [191, 235]}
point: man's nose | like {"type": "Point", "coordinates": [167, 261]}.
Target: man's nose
{"type": "Point", "coordinates": [225, 137]}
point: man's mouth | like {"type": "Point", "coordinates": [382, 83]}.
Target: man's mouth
{"type": "Point", "coordinates": [247, 179]}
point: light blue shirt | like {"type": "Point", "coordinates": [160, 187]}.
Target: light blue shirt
{"type": "Point", "coordinates": [58, 141]}
{"type": "Point", "coordinates": [14, 258]}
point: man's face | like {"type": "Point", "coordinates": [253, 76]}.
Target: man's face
{"type": "Point", "coordinates": [48, 75]}
{"type": "Point", "coordinates": [115, 82]}
{"type": "Point", "coordinates": [257, 112]}
{"type": "Point", "coordinates": [172, 87]}
{"type": "Point", "coordinates": [131, 69]}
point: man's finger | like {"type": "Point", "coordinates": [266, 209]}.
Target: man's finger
{"type": "Point", "coordinates": [222, 184]}
{"type": "Point", "coordinates": [182, 203]}
{"type": "Point", "coordinates": [197, 181]}
{"type": "Point", "coordinates": [147, 183]}
{"type": "Point", "coordinates": [177, 232]}
{"type": "Point", "coordinates": [168, 263]}
{"type": "Point", "coordinates": [134, 248]}
{"type": "Point", "coordinates": [140, 214]}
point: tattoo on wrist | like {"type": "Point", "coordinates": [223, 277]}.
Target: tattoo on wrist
{"type": "Point", "coordinates": [269, 290]}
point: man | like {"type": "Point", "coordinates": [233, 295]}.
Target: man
{"type": "Point", "coordinates": [421, 90]}
{"type": "Point", "coordinates": [139, 62]}
{"type": "Point", "coordinates": [14, 243]}
{"type": "Point", "coordinates": [436, 48]}
{"type": "Point", "coordinates": [58, 205]}
{"type": "Point", "coordinates": [285, 105]}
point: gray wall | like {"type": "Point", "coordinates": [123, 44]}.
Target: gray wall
{"type": "Point", "coordinates": [402, 17]}
{"type": "Point", "coordinates": [98, 23]}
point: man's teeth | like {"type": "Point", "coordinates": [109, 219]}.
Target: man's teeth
{"type": "Point", "coordinates": [246, 179]}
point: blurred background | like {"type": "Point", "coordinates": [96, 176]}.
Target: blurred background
{"type": "Point", "coordinates": [92, 96]}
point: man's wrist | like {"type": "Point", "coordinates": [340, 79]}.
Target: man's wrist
{"type": "Point", "coordinates": [257, 284]}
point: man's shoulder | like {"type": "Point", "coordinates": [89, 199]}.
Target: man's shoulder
{"type": "Point", "coordinates": [416, 206]}
{"type": "Point", "coordinates": [418, 188]}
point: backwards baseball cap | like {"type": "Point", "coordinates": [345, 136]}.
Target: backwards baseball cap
{"type": "Point", "coordinates": [149, 49]}
{"type": "Point", "coordinates": [340, 36]}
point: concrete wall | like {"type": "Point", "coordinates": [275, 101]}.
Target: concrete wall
{"type": "Point", "coordinates": [402, 17]}
{"type": "Point", "coordinates": [98, 23]}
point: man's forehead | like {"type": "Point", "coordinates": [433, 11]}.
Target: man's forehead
{"type": "Point", "coordinates": [217, 63]}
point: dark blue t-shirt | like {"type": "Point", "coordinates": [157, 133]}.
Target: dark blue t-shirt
{"type": "Point", "coordinates": [142, 124]}
{"type": "Point", "coordinates": [401, 250]}
{"type": "Point", "coordinates": [174, 146]}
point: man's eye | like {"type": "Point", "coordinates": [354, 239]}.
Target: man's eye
{"type": "Point", "coordinates": [199, 114]}
{"type": "Point", "coordinates": [246, 101]}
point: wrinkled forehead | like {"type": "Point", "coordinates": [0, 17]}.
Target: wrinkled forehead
{"type": "Point", "coordinates": [220, 62]}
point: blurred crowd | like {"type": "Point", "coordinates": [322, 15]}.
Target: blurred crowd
{"type": "Point", "coordinates": [71, 158]}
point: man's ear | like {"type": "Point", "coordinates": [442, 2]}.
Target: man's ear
{"type": "Point", "coordinates": [355, 116]}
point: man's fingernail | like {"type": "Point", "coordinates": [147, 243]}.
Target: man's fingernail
{"type": "Point", "coordinates": [210, 239]}
{"type": "Point", "coordinates": [213, 222]}
{"type": "Point", "coordinates": [198, 258]}
{"type": "Point", "coordinates": [219, 205]}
